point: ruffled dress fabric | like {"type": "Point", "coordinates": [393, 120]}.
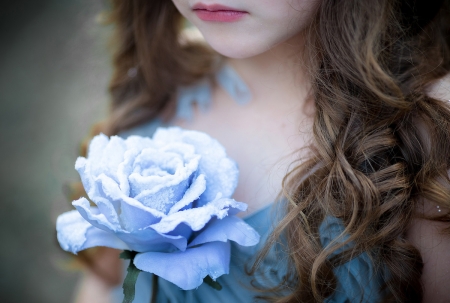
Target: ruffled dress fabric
{"type": "Point", "coordinates": [357, 280]}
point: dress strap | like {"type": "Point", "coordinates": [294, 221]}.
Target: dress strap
{"type": "Point", "coordinates": [201, 92]}
{"type": "Point", "coordinates": [234, 85]}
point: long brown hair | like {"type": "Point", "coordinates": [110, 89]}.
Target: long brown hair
{"type": "Point", "coordinates": [150, 61]}
{"type": "Point", "coordinates": [372, 165]}
{"type": "Point", "coordinates": [382, 146]}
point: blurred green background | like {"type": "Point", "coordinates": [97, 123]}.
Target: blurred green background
{"type": "Point", "coordinates": [54, 70]}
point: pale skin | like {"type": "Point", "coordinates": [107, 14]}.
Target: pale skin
{"type": "Point", "coordinates": [426, 235]}
{"type": "Point", "coordinates": [265, 135]}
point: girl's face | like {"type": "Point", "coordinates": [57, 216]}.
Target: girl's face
{"type": "Point", "coordinates": [246, 28]}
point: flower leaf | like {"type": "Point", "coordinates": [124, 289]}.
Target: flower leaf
{"type": "Point", "coordinates": [129, 283]}
{"type": "Point", "coordinates": [214, 284]}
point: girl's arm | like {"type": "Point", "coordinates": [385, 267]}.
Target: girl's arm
{"type": "Point", "coordinates": [102, 274]}
{"type": "Point", "coordinates": [92, 288]}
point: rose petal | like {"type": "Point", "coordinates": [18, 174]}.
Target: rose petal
{"type": "Point", "coordinates": [97, 237]}
{"type": "Point", "coordinates": [223, 176]}
{"type": "Point", "coordinates": [163, 198]}
{"type": "Point", "coordinates": [104, 158]}
{"type": "Point", "coordinates": [221, 172]}
{"type": "Point", "coordinates": [194, 191]}
{"type": "Point", "coordinates": [177, 169]}
{"type": "Point", "coordinates": [112, 156]}
{"type": "Point", "coordinates": [165, 161]}
{"type": "Point", "coordinates": [93, 215]}
{"type": "Point", "coordinates": [139, 240]}
{"type": "Point", "coordinates": [108, 210]}
{"type": "Point", "coordinates": [133, 215]}
{"type": "Point", "coordinates": [139, 143]}
{"type": "Point", "coordinates": [187, 269]}
{"type": "Point", "coordinates": [83, 168]}
{"type": "Point", "coordinates": [196, 218]}
{"type": "Point", "coordinates": [96, 147]}
{"type": "Point", "coordinates": [149, 240]}
{"type": "Point", "coordinates": [107, 206]}
{"type": "Point", "coordinates": [229, 228]}
{"type": "Point", "coordinates": [186, 151]}
{"type": "Point", "coordinates": [74, 234]}
{"type": "Point", "coordinates": [167, 183]}
{"type": "Point", "coordinates": [71, 229]}
{"type": "Point", "coordinates": [125, 169]}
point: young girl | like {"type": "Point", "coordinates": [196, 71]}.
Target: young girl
{"type": "Point", "coordinates": [337, 110]}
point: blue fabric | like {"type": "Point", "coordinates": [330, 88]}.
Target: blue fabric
{"type": "Point", "coordinates": [357, 280]}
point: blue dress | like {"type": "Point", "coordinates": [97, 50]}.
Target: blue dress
{"type": "Point", "coordinates": [357, 280]}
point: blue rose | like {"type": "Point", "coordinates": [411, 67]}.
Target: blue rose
{"type": "Point", "coordinates": [167, 198]}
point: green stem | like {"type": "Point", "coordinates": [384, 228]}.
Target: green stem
{"type": "Point", "coordinates": [129, 289]}
{"type": "Point", "coordinates": [214, 284]}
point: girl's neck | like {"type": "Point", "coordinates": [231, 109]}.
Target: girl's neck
{"type": "Point", "coordinates": [276, 75]}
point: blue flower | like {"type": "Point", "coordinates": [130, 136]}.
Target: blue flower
{"type": "Point", "coordinates": [167, 198]}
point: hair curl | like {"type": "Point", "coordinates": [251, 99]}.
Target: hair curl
{"type": "Point", "coordinates": [381, 145]}
{"type": "Point", "coordinates": [150, 61]}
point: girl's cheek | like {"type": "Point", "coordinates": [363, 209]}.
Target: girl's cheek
{"type": "Point", "coordinates": [182, 6]}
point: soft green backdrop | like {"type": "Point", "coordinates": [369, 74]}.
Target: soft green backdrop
{"type": "Point", "coordinates": [54, 69]}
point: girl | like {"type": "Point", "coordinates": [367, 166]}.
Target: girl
{"type": "Point", "coordinates": [336, 109]}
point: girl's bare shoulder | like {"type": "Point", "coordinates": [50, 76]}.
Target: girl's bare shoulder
{"type": "Point", "coordinates": [440, 89]}
{"type": "Point", "coordinates": [434, 246]}
{"type": "Point", "coordinates": [428, 236]}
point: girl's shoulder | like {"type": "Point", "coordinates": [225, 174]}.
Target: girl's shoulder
{"type": "Point", "coordinates": [427, 235]}
{"type": "Point", "coordinates": [434, 246]}
{"type": "Point", "coordinates": [440, 89]}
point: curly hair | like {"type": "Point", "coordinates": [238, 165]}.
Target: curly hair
{"type": "Point", "coordinates": [381, 145]}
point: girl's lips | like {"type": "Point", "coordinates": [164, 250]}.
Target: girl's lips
{"type": "Point", "coordinates": [218, 13]}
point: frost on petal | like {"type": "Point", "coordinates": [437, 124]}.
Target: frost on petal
{"type": "Point", "coordinates": [187, 269]}
{"type": "Point", "coordinates": [220, 171]}
{"type": "Point", "coordinates": [152, 162]}
{"type": "Point", "coordinates": [83, 168]}
{"type": "Point", "coordinates": [138, 143]}
{"type": "Point", "coordinates": [229, 228]}
{"type": "Point", "coordinates": [112, 156]}
{"type": "Point", "coordinates": [74, 234]}
{"type": "Point", "coordinates": [160, 179]}
{"type": "Point", "coordinates": [93, 215]}
{"type": "Point", "coordinates": [96, 147]}
{"type": "Point", "coordinates": [71, 229]}
{"type": "Point", "coordinates": [194, 191]}
{"type": "Point", "coordinates": [185, 151]}
{"type": "Point", "coordinates": [125, 169]}
{"type": "Point", "coordinates": [132, 214]}
{"type": "Point", "coordinates": [108, 191]}
{"type": "Point", "coordinates": [223, 176]}
{"type": "Point", "coordinates": [154, 170]}
{"type": "Point", "coordinates": [196, 218]}
{"type": "Point", "coordinates": [104, 158]}
{"type": "Point", "coordinates": [162, 199]}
